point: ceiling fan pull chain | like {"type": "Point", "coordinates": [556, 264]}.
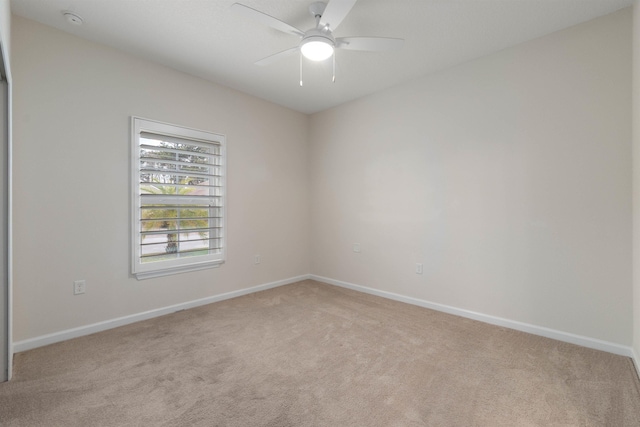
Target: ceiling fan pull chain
{"type": "Point", "coordinates": [301, 69]}
{"type": "Point", "coordinates": [334, 67]}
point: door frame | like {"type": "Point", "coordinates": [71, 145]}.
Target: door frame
{"type": "Point", "coordinates": [6, 277]}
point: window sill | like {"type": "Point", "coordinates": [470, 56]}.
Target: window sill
{"type": "Point", "coordinates": [176, 270]}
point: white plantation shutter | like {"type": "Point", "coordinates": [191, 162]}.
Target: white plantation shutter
{"type": "Point", "coordinates": [178, 199]}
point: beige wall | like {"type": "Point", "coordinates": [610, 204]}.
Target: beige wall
{"type": "Point", "coordinates": [508, 177]}
{"type": "Point", "coordinates": [71, 181]}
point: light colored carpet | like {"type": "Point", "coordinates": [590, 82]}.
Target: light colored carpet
{"type": "Point", "coordinates": [311, 354]}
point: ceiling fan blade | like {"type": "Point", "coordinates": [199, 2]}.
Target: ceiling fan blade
{"type": "Point", "coordinates": [277, 56]}
{"type": "Point", "coordinates": [335, 12]}
{"type": "Point", "coordinates": [266, 19]}
{"type": "Point", "coordinates": [371, 44]}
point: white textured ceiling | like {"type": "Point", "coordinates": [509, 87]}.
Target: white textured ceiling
{"type": "Point", "coordinates": [207, 39]}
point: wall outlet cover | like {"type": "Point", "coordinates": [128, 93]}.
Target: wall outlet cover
{"type": "Point", "coordinates": [79, 287]}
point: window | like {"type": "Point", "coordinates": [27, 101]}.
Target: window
{"type": "Point", "coordinates": [178, 193]}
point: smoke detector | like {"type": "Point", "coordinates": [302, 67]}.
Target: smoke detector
{"type": "Point", "coordinates": [72, 18]}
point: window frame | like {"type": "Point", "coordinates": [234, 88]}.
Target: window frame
{"type": "Point", "coordinates": [193, 263]}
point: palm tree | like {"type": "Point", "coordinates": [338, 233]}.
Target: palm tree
{"type": "Point", "coordinates": [173, 217]}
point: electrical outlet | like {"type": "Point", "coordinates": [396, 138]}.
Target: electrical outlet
{"type": "Point", "coordinates": [356, 247]}
{"type": "Point", "coordinates": [418, 268]}
{"type": "Point", "coordinates": [257, 259]}
{"type": "Point", "coordinates": [79, 287]}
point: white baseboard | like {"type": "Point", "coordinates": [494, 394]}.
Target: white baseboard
{"type": "Point", "coordinates": [511, 324]}
{"type": "Point", "coordinates": [636, 361]}
{"type": "Point", "coordinates": [121, 321]}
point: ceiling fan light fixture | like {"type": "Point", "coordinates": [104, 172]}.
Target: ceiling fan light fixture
{"type": "Point", "coordinates": [316, 48]}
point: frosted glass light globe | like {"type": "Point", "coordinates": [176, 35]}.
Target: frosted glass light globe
{"type": "Point", "coordinates": [316, 49]}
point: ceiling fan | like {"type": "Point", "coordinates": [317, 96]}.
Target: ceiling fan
{"type": "Point", "coordinates": [318, 43]}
